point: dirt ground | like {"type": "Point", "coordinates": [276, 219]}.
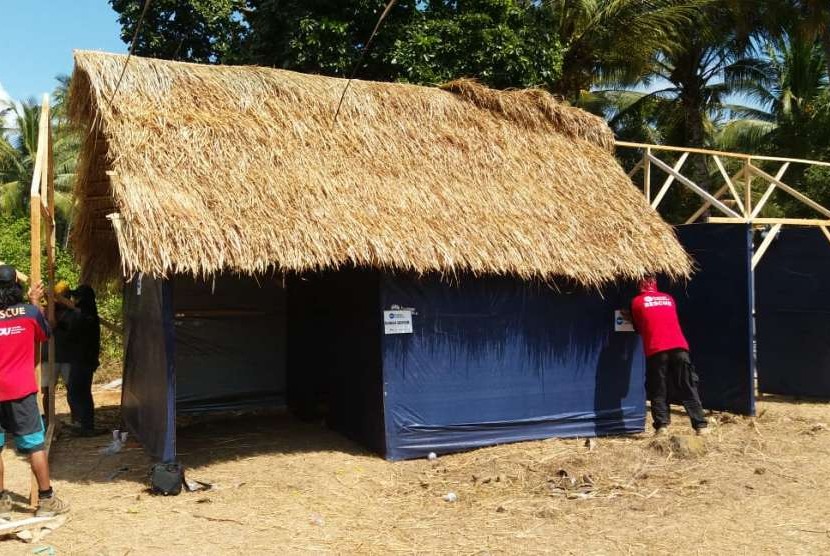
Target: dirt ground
{"type": "Point", "coordinates": [761, 487]}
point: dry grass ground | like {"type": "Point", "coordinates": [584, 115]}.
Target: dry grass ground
{"type": "Point", "coordinates": [282, 486]}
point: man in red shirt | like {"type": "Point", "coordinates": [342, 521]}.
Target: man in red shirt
{"type": "Point", "coordinates": [21, 326]}
{"type": "Point", "coordinates": [670, 375]}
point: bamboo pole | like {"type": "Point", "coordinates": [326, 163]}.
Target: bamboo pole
{"type": "Point", "coordinates": [647, 175]}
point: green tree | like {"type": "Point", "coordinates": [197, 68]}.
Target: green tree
{"type": "Point", "coordinates": [503, 43]}
{"type": "Point", "coordinates": [195, 30]}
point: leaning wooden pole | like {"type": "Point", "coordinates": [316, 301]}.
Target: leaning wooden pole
{"type": "Point", "coordinates": [39, 194]}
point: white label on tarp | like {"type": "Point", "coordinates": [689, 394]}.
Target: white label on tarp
{"type": "Point", "coordinates": [622, 323]}
{"type": "Point", "coordinates": [397, 322]}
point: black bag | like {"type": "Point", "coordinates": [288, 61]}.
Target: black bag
{"type": "Point", "coordinates": [166, 479]}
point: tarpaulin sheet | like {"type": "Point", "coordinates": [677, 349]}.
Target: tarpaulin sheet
{"type": "Point", "coordinates": [230, 343]}
{"type": "Point", "coordinates": [494, 360]}
{"type": "Point", "coordinates": [149, 390]}
{"type": "Point", "coordinates": [793, 314]}
{"type": "Point", "coordinates": [715, 309]}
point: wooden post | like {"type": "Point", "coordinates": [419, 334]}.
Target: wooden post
{"type": "Point", "coordinates": [38, 193]}
{"type": "Point", "coordinates": [50, 272]}
{"type": "Point", "coordinates": [647, 174]}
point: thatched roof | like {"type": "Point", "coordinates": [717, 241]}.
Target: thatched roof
{"type": "Point", "coordinates": [241, 168]}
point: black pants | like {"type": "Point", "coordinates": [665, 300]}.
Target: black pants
{"type": "Point", "coordinates": [79, 394]}
{"type": "Point", "coordinates": [671, 378]}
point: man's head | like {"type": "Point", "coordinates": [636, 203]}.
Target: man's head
{"type": "Point", "coordinates": [648, 284]}
{"type": "Point", "coordinates": [11, 292]}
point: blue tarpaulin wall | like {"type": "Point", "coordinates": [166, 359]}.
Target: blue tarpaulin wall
{"type": "Point", "coordinates": [148, 407]}
{"type": "Point", "coordinates": [494, 360]}
{"type": "Point", "coordinates": [793, 314]}
{"type": "Point", "coordinates": [715, 309]}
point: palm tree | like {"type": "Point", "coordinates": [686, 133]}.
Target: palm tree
{"type": "Point", "coordinates": [18, 147]}
{"type": "Point", "coordinates": [615, 38]}
{"type": "Point", "coordinates": [785, 84]}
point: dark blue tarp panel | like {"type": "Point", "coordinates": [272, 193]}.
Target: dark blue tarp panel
{"type": "Point", "coordinates": [793, 314]}
{"type": "Point", "coordinates": [494, 360]}
{"type": "Point", "coordinates": [334, 355]}
{"type": "Point", "coordinates": [149, 389]}
{"type": "Point", "coordinates": [715, 310]}
{"type": "Point", "coordinates": [230, 343]}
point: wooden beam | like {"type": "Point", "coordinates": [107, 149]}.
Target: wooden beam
{"type": "Point", "coordinates": [699, 212]}
{"type": "Point", "coordinates": [766, 221]}
{"type": "Point", "coordinates": [28, 523]}
{"type": "Point", "coordinates": [793, 192]}
{"type": "Point", "coordinates": [756, 258]}
{"type": "Point", "coordinates": [669, 180]}
{"type": "Point", "coordinates": [741, 156]}
{"type": "Point", "coordinates": [768, 193]}
{"type": "Point", "coordinates": [826, 232]}
{"type": "Point", "coordinates": [694, 187]}
{"type": "Point", "coordinates": [729, 184]}
{"type": "Point", "coordinates": [647, 175]}
{"type": "Point", "coordinates": [630, 174]}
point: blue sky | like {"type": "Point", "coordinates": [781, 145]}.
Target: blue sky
{"type": "Point", "coordinates": [38, 37]}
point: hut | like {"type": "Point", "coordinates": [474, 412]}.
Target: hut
{"type": "Point", "coordinates": [440, 266]}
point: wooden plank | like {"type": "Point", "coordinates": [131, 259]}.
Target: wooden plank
{"type": "Point", "coordinates": [743, 156]}
{"type": "Point", "coordinates": [51, 244]}
{"type": "Point", "coordinates": [729, 184]}
{"type": "Point", "coordinates": [669, 180]}
{"type": "Point", "coordinates": [699, 212]}
{"type": "Point", "coordinates": [694, 187]}
{"type": "Point", "coordinates": [766, 221]}
{"type": "Point", "coordinates": [38, 196]}
{"type": "Point", "coordinates": [759, 254]}
{"type": "Point", "coordinates": [793, 192]}
{"type": "Point", "coordinates": [28, 523]}
{"type": "Point", "coordinates": [768, 193]}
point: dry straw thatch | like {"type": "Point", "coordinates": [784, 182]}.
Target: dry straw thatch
{"type": "Point", "coordinates": [242, 169]}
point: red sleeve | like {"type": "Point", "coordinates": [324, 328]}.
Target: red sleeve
{"type": "Point", "coordinates": [42, 331]}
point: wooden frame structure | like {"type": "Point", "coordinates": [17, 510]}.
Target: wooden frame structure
{"type": "Point", "coordinates": [735, 199]}
{"type": "Point", "coordinates": [42, 213]}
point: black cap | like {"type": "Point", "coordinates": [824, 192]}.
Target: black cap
{"type": "Point", "coordinates": [8, 275]}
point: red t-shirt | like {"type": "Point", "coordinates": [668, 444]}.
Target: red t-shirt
{"type": "Point", "coordinates": [655, 318]}
{"type": "Point", "coordinates": [20, 327]}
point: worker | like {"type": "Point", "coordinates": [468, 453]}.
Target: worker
{"type": "Point", "coordinates": [85, 337]}
{"type": "Point", "coordinates": [670, 375]}
{"type": "Point", "coordinates": [21, 326]}
{"type": "Point", "coordinates": [63, 347]}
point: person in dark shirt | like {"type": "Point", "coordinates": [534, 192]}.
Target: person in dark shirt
{"type": "Point", "coordinates": [84, 333]}
{"type": "Point", "coordinates": [63, 347]}
{"type": "Point", "coordinates": [22, 325]}
{"type": "Point", "coordinates": [669, 371]}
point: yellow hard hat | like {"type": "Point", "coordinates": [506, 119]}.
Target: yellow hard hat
{"type": "Point", "coordinates": [62, 287]}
